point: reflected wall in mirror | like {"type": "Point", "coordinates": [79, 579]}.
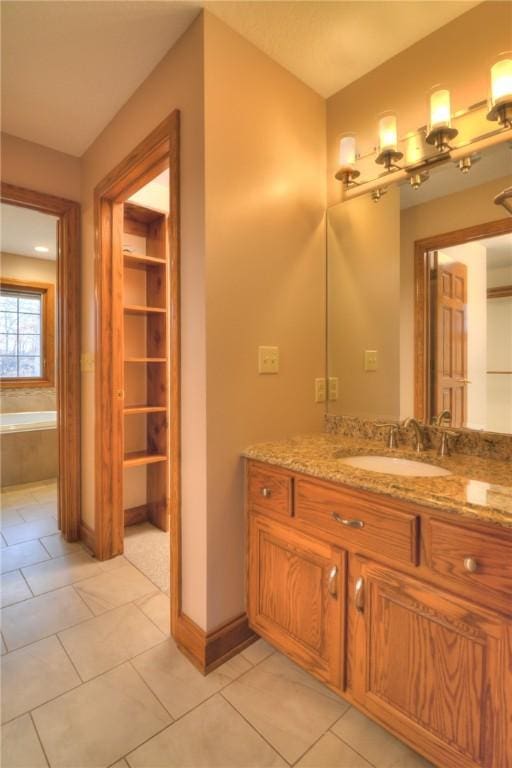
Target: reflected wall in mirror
{"type": "Point", "coordinates": [372, 347]}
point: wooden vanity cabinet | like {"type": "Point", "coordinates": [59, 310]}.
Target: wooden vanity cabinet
{"type": "Point", "coordinates": [296, 596]}
{"type": "Point", "coordinates": [405, 632]}
{"type": "Point", "coordinates": [431, 666]}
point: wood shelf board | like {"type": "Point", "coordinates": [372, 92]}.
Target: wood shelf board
{"type": "Point", "coordinates": [139, 458]}
{"type": "Point", "coordinates": [145, 360]}
{"type": "Point", "coordinates": [142, 213]}
{"type": "Point", "coordinates": [130, 409]}
{"type": "Point", "coordinates": [136, 309]}
{"type": "Point", "coordinates": [141, 261]}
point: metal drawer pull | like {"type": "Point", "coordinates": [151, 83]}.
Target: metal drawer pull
{"type": "Point", "coordinates": [332, 583]}
{"type": "Point", "coordinates": [266, 492]}
{"type": "Point", "coordinates": [359, 594]}
{"type": "Point", "coordinates": [350, 523]}
{"type": "Point", "coordinates": [470, 564]}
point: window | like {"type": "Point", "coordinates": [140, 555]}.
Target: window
{"type": "Point", "coordinates": [26, 333]}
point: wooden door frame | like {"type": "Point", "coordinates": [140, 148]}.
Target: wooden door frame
{"type": "Point", "coordinates": [422, 304]}
{"type": "Point", "coordinates": [67, 346]}
{"type": "Point", "coordinates": [157, 152]}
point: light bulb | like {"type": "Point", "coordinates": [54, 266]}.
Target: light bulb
{"type": "Point", "coordinates": [388, 132]}
{"type": "Point", "coordinates": [440, 110]}
{"type": "Point", "coordinates": [347, 149]}
{"type": "Point", "coordinates": [501, 79]}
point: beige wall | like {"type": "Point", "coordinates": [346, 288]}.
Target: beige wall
{"type": "Point", "coordinates": [36, 167]}
{"type": "Point", "coordinates": [41, 271]}
{"type": "Point", "coordinates": [265, 247]}
{"type": "Point", "coordinates": [445, 214]}
{"type": "Point", "coordinates": [176, 83]}
{"type": "Point", "coordinates": [254, 136]}
{"type": "Point", "coordinates": [459, 54]}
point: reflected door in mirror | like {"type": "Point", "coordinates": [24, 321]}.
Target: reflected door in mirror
{"type": "Point", "coordinates": [450, 341]}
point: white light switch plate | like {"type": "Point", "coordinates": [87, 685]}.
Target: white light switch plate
{"type": "Point", "coordinates": [268, 359]}
{"type": "Point", "coordinates": [319, 390]}
{"type": "Point", "coordinates": [333, 387]}
{"type": "Point", "coordinates": [370, 359]}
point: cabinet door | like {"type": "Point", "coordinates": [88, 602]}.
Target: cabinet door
{"type": "Point", "coordinates": [433, 667]}
{"type": "Point", "coordinates": [296, 596]}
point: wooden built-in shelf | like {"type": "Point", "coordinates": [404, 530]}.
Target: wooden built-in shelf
{"type": "Point", "coordinates": [146, 296]}
{"type": "Point", "coordinates": [141, 261]}
{"type": "Point", "coordinates": [136, 309]}
{"type": "Point", "coordinates": [145, 360]}
{"type": "Point", "coordinates": [139, 458]}
{"type": "Point", "coordinates": [129, 409]}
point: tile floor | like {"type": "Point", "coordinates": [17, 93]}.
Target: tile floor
{"type": "Point", "coordinates": [91, 678]}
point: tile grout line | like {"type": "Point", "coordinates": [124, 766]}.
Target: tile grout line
{"type": "Point", "coordinates": [28, 585]}
{"type": "Point", "coordinates": [80, 621]}
{"type": "Point", "coordinates": [59, 640]}
{"type": "Point", "coordinates": [253, 727]}
{"type": "Point", "coordinates": [38, 735]}
{"type": "Point", "coordinates": [346, 743]}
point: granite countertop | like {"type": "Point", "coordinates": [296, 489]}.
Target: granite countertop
{"type": "Point", "coordinates": [478, 488]}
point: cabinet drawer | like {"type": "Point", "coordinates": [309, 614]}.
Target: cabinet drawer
{"type": "Point", "coordinates": [269, 491]}
{"type": "Point", "coordinates": [358, 520]}
{"type": "Point", "coordinates": [471, 557]}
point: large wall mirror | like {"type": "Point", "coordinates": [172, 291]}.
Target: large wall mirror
{"type": "Point", "coordinates": [419, 299]}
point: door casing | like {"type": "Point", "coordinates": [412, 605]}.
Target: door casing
{"type": "Point", "coordinates": [157, 152]}
{"type": "Point", "coordinates": [67, 347]}
{"type": "Point", "coordinates": [422, 371]}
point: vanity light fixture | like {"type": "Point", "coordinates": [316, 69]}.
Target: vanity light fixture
{"type": "Point", "coordinates": [466, 163]}
{"type": "Point", "coordinates": [378, 193]}
{"type": "Point", "coordinates": [441, 131]}
{"type": "Point", "coordinates": [346, 172]}
{"type": "Point", "coordinates": [501, 90]}
{"type": "Point", "coordinates": [41, 248]}
{"type": "Point", "coordinates": [439, 134]}
{"type": "Point", "coordinates": [417, 179]}
{"type": "Point", "coordinates": [388, 142]}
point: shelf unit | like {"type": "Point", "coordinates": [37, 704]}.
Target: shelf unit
{"type": "Point", "coordinates": [144, 265]}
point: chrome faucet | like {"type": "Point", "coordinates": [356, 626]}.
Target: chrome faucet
{"type": "Point", "coordinates": [392, 435]}
{"type": "Point", "coordinates": [418, 432]}
{"type": "Point", "coordinates": [437, 421]}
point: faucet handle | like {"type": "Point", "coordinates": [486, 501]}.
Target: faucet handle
{"type": "Point", "coordinates": [393, 431]}
{"type": "Point", "coordinates": [444, 447]}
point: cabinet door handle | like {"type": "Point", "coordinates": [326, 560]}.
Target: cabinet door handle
{"type": "Point", "coordinates": [349, 522]}
{"type": "Point", "coordinates": [332, 583]}
{"type": "Point", "coordinates": [470, 564]}
{"type": "Point", "coordinates": [266, 492]}
{"type": "Point", "coordinates": [359, 594]}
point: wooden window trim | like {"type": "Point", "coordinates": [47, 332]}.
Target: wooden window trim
{"type": "Point", "coordinates": [47, 292]}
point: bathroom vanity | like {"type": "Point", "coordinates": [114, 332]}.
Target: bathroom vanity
{"type": "Point", "coordinates": [395, 591]}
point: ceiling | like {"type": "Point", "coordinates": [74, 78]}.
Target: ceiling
{"type": "Point", "coordinates": [68, 67]}
{"type": "Point", "coordinates": [155, 194]}
{"type": "Point", "coordinates": [22, 229]}
{"type": "Point", "coordinates": [328, 45]}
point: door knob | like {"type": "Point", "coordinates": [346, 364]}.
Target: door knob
{"type": "Point", "coordinates": [266, 492]}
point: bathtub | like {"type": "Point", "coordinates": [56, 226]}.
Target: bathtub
{"type": "Point", "coordinates": [28, 447]}
{"type": "Point", "coordinates": [28, 421]}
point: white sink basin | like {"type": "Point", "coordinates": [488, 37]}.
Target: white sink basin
{"type": "Point", "coordinates": [391, 466]}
